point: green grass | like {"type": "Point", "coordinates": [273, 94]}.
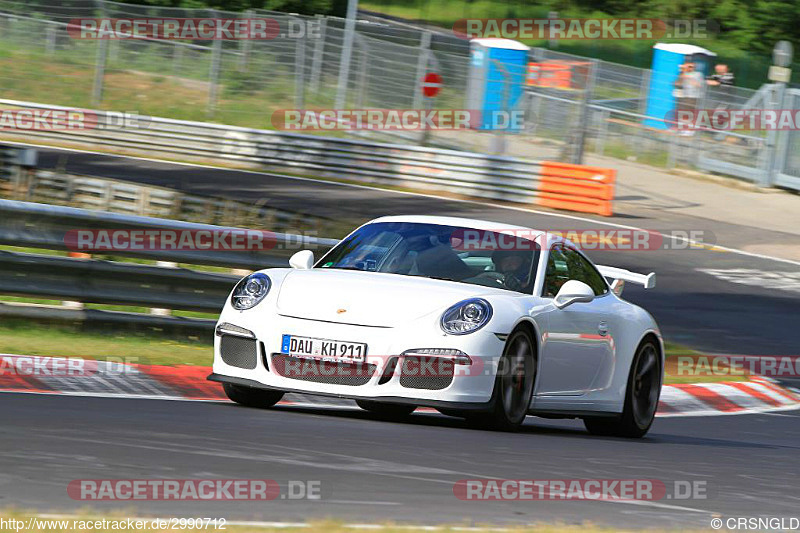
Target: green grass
{"type": "Point", "coordinates": [18, 337]}
{"type": "Point", "coordinates": [65, 78]}
{"type": "Point", "coordinates": [621, 150]}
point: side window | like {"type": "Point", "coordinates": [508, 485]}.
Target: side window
{"type": "Point", "coordinates": [565, 264]}
{"type": "Point", "coordinates": [581, 269]}
{"type": "Point", "coordinates": [557, 272]}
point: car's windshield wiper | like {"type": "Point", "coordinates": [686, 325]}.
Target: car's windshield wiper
{"type": "Point", "coordinates": [442, 278]}
{"type": "Point", "coordinates": [348, 268]}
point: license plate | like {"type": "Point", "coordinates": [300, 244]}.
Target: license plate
{"type": "Point", "coordinates": [324, 349]}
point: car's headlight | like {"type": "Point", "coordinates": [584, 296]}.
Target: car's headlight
{"type": "Point", "coordinates": [250, 290]}
{"type": "Point", "coordinates": [466, 317]}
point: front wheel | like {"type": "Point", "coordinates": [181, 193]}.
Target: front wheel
{"type": "Point", "coordinates": [391, 410]}
{"type": "Point", "coordinates": [641, 398]}
{"type": "Point", "coordinates": [513, 387]}
{"type": "Point", "coordinates": [252, 397]}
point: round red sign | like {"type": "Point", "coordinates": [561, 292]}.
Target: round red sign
{"type": "Point", "coordinates": [431, 84]}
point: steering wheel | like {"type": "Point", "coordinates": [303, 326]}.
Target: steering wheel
{"type": "Point", "coordinates": [499, 277]}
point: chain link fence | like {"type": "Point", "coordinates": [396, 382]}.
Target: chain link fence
{"type": "Point", "coordinates": [573, 105]}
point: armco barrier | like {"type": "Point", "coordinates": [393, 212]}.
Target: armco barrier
{"type": "Point", "coordinates": [89, 280]}
{"type": "Point", "coordinates": [33, 225]}
{"type": "Point", "coordinates": [482, 176]}
{"type": "Point", "coordinates": [577, 188]}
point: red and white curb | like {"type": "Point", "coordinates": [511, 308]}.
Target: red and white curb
{"type": "Point", "coordinates": [85, 377]}
{"type": "Point", "coordinates": [757, 395]}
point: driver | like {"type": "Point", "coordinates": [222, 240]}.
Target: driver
{"type": "Point", "coordinates": [515, 267]}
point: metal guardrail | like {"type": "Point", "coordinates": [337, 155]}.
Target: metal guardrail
{"type": "Point", "coordinates": [108, 282]}
{"type": "Point", "coordinates": [118, 196]}
{"type": "Point", "coordinates": [31, 225]}
{"type": "Point", "coordinates": [44, 226]}
{"type": "Point", "coordinates": [485, 176]}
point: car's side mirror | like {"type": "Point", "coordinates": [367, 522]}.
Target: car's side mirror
{"type": "Point", "coordinates": [572, 292]}
{"type": "Point", "coordinates": [302, 260]}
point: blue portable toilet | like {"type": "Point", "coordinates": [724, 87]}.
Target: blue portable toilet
{"type": "Point", "coordinates": [496, 80]}
{"type": "Point", "coordinates": [667, 59]}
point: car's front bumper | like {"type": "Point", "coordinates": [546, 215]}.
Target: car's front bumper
{"type": "Point", "coordinates": [471, 385]}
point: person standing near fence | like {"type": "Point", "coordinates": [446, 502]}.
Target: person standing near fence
{"type": "Point", "coordinates": [722, 77]}
{"type": "Point", "coordinates": [677, 92]}
{"type": "Point", "coordinates": [692, 86]}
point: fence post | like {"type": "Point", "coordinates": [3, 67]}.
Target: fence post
{"type": "Point", "coordinates": [583, 117]}
{"type": "Point", "coordinates": [422, 66]}
{"type": "Point", "coordinates": [50, 46]}
{"type": "Point", "coordinates": [300, 70]}
{"type": "Point", "coordinates": [319, 48]}
{"type": "Point", "coordinates": [363, 65]}
{"type": "Point", "coordinates": [177, 58]}
{"type": "Point", "coordinates": [600, 142]}
{"type": "Point", "coordinates": [497, 142]}
{"type": "Point", "coordinates": [774, 100]}
{"type": "Point", "coordinates": [245, 44]}
{"type": "Point", "coordinates": [159, 311]}
{"type": "Point", "coordinates": [347, 52]}
{"type": "Point", "coordinates": [99, 71]}
{"type": "Point", "coordinates": [643, 94]}
{"type": "Point", "coordinates": [672, 147]}
{"type": "Point", "coordinates": [534, 109]}
{"type": "Point", "coordinates": [213, 76]}
{"type": "Point", "coordinates": [100, 61]}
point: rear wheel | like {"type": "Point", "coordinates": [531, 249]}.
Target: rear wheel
{"type": "Point", "coordinates": [641, 398]}
{"type": "Point", "coordinates": [513, 387]}
{"type": "Point", "coordinates": [252, 397]}
{"type": "Point", "coordinates": [386, 409]}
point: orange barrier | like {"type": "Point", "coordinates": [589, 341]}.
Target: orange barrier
{"type": "Point", "coordinates": [558, 74]}
{"type": "Point", "coordinates": [577, 188]}
{"type": "Point", "coordinates": [553, 75]}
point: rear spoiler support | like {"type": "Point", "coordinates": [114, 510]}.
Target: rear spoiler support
{"type": "Point", "coordinates": [620, 276]}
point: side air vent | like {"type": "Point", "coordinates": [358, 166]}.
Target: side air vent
{"type": "Point", "coordinates": [238, 351]}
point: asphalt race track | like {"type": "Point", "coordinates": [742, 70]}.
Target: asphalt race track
{"type": "Point", "coordinates": [372, 470]}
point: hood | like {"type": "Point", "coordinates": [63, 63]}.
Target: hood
{"type": "Point", "coordinates": [367, 298]}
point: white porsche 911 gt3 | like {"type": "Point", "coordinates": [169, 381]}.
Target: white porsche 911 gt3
{"type": "Point", "coordinates": [481, 320]}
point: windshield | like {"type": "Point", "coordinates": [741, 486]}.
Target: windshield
{"type": "Point", "coordinates": [477, 257]}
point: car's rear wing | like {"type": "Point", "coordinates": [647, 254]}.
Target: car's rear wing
{"type": "Point", "coordinates": [620, 276]}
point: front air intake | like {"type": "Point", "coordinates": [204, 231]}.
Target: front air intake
{"type": "Point", "coordinates": [317, 371]}
{"type": "Point", "coordinates": [430, 373]}
{"type": "Point", "coordinates": [238, 351]}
